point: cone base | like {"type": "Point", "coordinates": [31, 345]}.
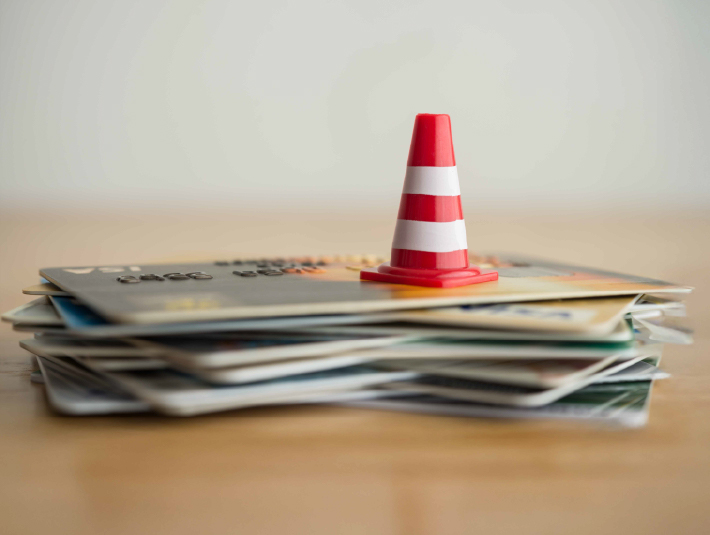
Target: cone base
{"type": "Point", "coordinates": [433, 278]}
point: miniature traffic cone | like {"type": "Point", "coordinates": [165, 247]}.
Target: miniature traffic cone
{"type": "Point", "coordinates": [429, 246]}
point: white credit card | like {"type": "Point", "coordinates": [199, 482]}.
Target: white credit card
{"type": "Point", "coordinates": [38, 312]}
{"type": "Point", "coordinates": [539, 373]}
{"type": "Point", "coordinates": [178, 394]}
{"type": "Point", "coordinates": [75, 394]}
{"type": "Point", "coordinates": [496, 393]}
{"type": "Point", "coordinates": [622, 404]}
{"type": "Point", "coordinates": [71, 391]}
{"type": "Point", "coordinates": [622, 332]}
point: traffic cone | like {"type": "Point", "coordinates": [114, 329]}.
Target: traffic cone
{"type": "Point", "coordinates": [429, 246]}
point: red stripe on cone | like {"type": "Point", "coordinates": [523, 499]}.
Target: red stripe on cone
{"type": "Point", "coordinates": [406, 258]}
{"type": "Point", "coordinates": [431, 145]}
{"type": "Point", "coordinates": [436, 208]}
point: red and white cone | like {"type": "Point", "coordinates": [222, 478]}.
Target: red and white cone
{"type": "Point", "coordinates": [429, 246]}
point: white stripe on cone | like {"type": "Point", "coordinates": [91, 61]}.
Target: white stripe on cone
{"type": "Point", "coordinates": [432, 181]}
{"type": "Point", "coordinates": [430, 236]}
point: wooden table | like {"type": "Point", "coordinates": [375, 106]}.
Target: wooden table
{"type": "Point", "coordinates": [329, 470]}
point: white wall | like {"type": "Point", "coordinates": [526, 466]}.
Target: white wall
{"type": "Point", "coordinates": [553, 103]}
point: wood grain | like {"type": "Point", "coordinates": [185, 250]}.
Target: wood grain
{"type": "Point", "coordinates": [329, 470]}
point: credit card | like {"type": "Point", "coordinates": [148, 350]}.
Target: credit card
{"type": "Point", "coordinates": [178, 394]}
{"type": "Point", "coordinates": [57, 347]}
{"type": "Point", "coordinates": [497, 393]}
{"type": "Point", "coordinates": [38, 312]}
{"type": "Point", "coordinates": [80, 321]}
{"type": "Point", "coordinates": [169, 293]}
{"type": "Point", "coordinates": [46, 288]}
{"type": "Point", "coordinates": [75, 394]}
{"type": "Point", "coordinates": [622, 332]}
{"type": "Point", "coordinates": [225, 350]}
{"type": "Point", "coordinates": [547, 373]}
{"type": "Point", "coordinates": [590, 316]}
{"type": "Point", "coordinates": [487, 349]}
{"type": "Point", "coordinates": [537, 373]}
{"type": "Point", "coordinates": [622, 404]}
{"type": "Point", "coordinates": [70, 391]}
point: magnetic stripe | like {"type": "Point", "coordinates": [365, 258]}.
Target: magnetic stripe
{"type": "Point", "coordinates": [430, 208]}
{"type": "Point", "coordinates": [430, 236]}
{"type": "Point", "coordinates": [432, 181]}
{"type": "Point", "coordinates": [426, 260]}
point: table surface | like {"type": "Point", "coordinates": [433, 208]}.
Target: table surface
{"type": "Point", "coordinates": [325, 470]}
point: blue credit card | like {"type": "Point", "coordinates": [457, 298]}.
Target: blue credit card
{"type": "Point", "coordinates": [75, 315]}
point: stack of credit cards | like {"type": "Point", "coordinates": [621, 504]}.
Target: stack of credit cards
{"type": "Point", "coordinates": [544, 341]}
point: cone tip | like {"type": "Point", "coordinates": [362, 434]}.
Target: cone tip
{"type": "Point", "coordinates": [432, 145]}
